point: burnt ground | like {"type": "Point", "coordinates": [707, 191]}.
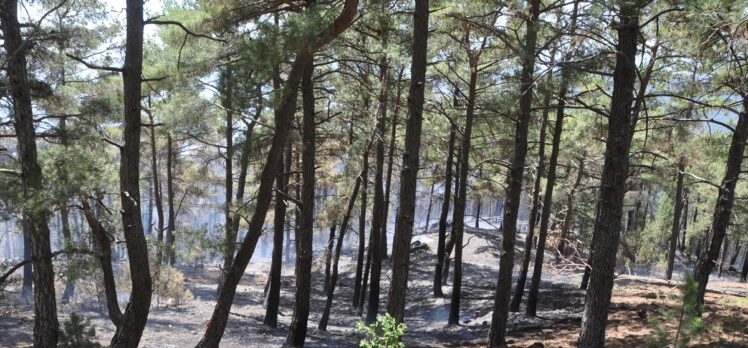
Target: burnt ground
{"type": "Point", "coordinates": [636, 299]}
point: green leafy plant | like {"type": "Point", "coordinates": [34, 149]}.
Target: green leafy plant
{"type": "Point", "coordinates": [78, 332]}
{"type": "Point", "coordinates": [384, 333]}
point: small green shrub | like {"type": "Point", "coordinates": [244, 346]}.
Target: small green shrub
{"type": "Point", "coordinates": [689, 319]}
{"type": "Point", "coordinates": [78, 333]}
{"type": "Point", "coordinates": [384, 333]}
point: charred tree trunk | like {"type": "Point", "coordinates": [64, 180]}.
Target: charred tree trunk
{"type": "Point", "coordinates": [440, 254]}
{"type": "Point", "coordinates": [338, 249]}
{"type": "Point", "coordinates": [497, 333]}
{"type": "Point", "coordinates": [35, 215]}
{"type": "Point", "coordinates": [136, 314]}
{"type": "Point", "coordinates": [606, 236]}
{"type": "Point", "coordinates": [534, 212]}
{"type": "Point", "coordinates": [305, 235]}
{"type": "Point", "coordinates": [357, 285]}
{"type": "Point", "coordinates": [458, 217]}
{"type": "Point", "coordinates": [744, 271]}
{"type": "Point", "coordinates": [390, 160]}
{"type": "Point", "coordinates": [170, 159]}
{"type": "Point", "coordinates": [328, 255]}
{"type": "Point", "coordinates": [157, 196]}
{"type": "Point", "coordinates": [428, 210]}
{"type": "Point", "coordinates": [227, 90]}
{"type": "Point", "coordinates": [409, 173]}
{"type": "Point", "coordinates": [279, 224]}
{"type": "Point", "coordinates": [678, 208]}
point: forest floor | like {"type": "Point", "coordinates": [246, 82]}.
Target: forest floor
{"type": "Point", "coordinates": [636, 299]}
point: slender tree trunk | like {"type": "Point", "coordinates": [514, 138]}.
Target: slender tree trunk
{"type": "Point", "coordinates": [450, 243]}
{"type": "Point", "coordinates": [305, 235]}
{"type": "Point", "coordinates": [519, 289]}
{"type": "Point", "coordinates": [358, 280]}
{"type": "Point", "coordinates": [458, 218]}
{"type": "Point", "coordinates": [497, 333]}
{"type": "Point", "coordinates": [104, 247]}
{"type": "Point", "coordinates": [477, 212]}
{"type": "Point", "coordinates": [606, 236]}
{"type": "Point", "coordinates": [158, 197]}
{"type": "Point", "coordinates": [27, 288]}
{"type": "Point", "coordinates": [678, 208]}
{"type": "Point", "coordinates": [744, 271]}
{"type": "Point", "coordinates": [328, 255]}
{"type": "Point", "coordinates": [279, 224]}
{"type": "Point", "coordinates": [390, 160]}
{"type": "Point", "coordinates": [35, 215]}
{"type": "Point", "coordinates": [440, 255]}
{"type": "Point", "coordinates": [171, 157]}
{"type": "Point", "coordinates": [408, 174]}
{"type": "Point", "coordinates": [685, 221]}
{"type": "Point", "coordinates": [569, 216]}
{"type": "Point", "coordinates": [339, 247]}
{"type": "Point", "coordinates": [428, 210]}
{"type": "Point", "coordinates": [722, 255]}
{"type": "Point", "coordinates": [735, 254]}
{"type": "Point", "coordinates": [227, 91]}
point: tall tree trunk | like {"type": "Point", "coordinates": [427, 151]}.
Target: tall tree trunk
{"type": "Point", "coordinates": [458, 217]}
{"type": "Point", "coordinates": [226, 89]}
{"type": "Point", "coordinates": [497, 333]}
{"type": "Point", "coordinates": [35, 214]}
{"type": "Point", "coordinates": [450, 244]}
{"type": "Point", "coordinates": [443, 215]}
{"type": "Point", "coordinates": [64, 195]}
{"type": "Point", "coordinates": [158, 197]}
{"type": "Point", "coordinates": [477, 211]}
{"type": "Point", "coordinates": [408, 174]}
{"type": "Point", "coordinates": [678, 208]}
{"type": "Point", "coordinates": [744, 271]}
{"type": "Point", "coordinates": [171, 157]}
{"type": "Point", "coordinates": [136, 314]}
{"type": "Point", "coordinates": [279, 224]}
{"type": "Point", "coordinates": [305, 235]}
{"type": "Point", "coordinates": [519, 289]}
{"type": "Point", "coordinates": [339, 247]}
{"type": "Point", "coordinates": [606, 236]}
{"type": "Point", "coordinates": [27, 288]}
{"type": "Point", "coordinates": [390, 160]}
{"type": "Point", "coordinates": [723, 207]}
{"type": "Point", "coordinates": [569, 216]}
{"type": "Point", "coordinates": [358, 280]}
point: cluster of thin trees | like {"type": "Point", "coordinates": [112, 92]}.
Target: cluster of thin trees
{"type": "Point", "coordinates": [293, 85]}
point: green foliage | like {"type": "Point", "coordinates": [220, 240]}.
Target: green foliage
{"type": "Point", "coordinates": [689, 322]}
{"type": "Point", "coordinates": [653, 239]}
{"type": "Point", "coordinates": [78, 332]}
{"type": "Point", "coordinates": [384, 333]}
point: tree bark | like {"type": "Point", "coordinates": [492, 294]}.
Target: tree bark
{"type": "Point", "coordinates": [497, 333]}
{"type": "Point", "coordinates": [443, 215]}
{"type": "Point", "coordinates": [328, 255]}
{"type": "Point", "coordinates": [170, 229]}
{"type": "Point", "coordinates": [458, 217]}
{"type": "Point", "coordinates": [227, 91]}
{"type": "Point", "coordinates": [358, 280]}
{"type": "Point", "coordinates": [158, 197]}
{"type": "Point", "coordinates": [390, 160]}
{"type": "Point", "coordinates": [606, 235]}
{"type": "Point", "coordinates": [569, 216]}
{"type": "Point", "coordinates": [305, 235]}
{"type": "Point", "coordinates": [723, 207]}
{"type": "Point", "coordinates": [678, 208]}
{"type": "Point", "coordinates": [104, 246]}
{"type": "Point", "coordinates": [279, 224]}
{"type": "Point", "coordinates": [339, 247]}
{"type": "Point", "coordinates": [519, 289]}
{"type": "Point", "coordinates": [408, 174]}
{"type": "Point", "coordinates": [34, 211]}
